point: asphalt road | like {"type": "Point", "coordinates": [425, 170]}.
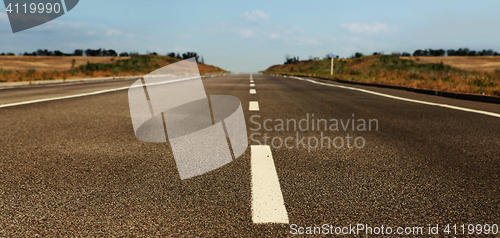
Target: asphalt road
{"type": "Point", "coordinates": [74, 166]}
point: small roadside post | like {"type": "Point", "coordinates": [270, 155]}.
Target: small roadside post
{"type": "Point", "coordinates": [331, 68]}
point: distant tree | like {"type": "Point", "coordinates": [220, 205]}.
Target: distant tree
{"type": "Point", "coordinates": [58, 53]}
{"type": "Point", "coordinates": [41, 52]}
{"type": "Point", "coordinates": [396, 54]}
{"type": "Point", "coordinates": [133, 53]}
{"type": "Point", "coordinates": [291, 60]}
{"type": "Point", "coordinates": [406, 54]}
{"type": "Point", "coordinates": [100, 52]}
{"type": "Point", "coordinates": [462, 52]}
{"type": "Point", "coordinates": [376, 53]}
{"type": "Point", "coordinates": [436, 52]}
{"type": "Point", "coordinates": [495, 54]}
{"type": "Point", "coordinates": [153, 53]}
{"type": "Point", "coordinates": [171, 54]}
{"type": "Point", "coordinates": [358, 54]}
{"type": "Point", "coordinates": [2, 53]}
{"type": "Point", "coordinates": [421, 53]}
{"type": "Point", "coordinates": [485, 53]}
{"type": "Point", "coordinates": [90, 52]}
{"type": "Point", "coordinates": [11, 54]}
{"type": "Point", "coordinates": [109, 52]}
{"type": "Point", "coordinates": [45, 52]}
{"type": "Point", "coordinates": [471, 53]}
{"type": "Point", "coordinates": [78, 53]}
{"type": "Point", "coordinates": [188, 55]}
{"type": "Point", "coordinates": [123, 54]}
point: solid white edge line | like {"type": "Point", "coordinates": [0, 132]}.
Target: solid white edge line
{"type": "Point", "coordinates": [404, 99]}
{"type": "Point", "coordinates": [252, 91]}
{"type": "Point", "coordinates": [62, 97]}
{"type": "Point", "coordinates": [84, 94]}
{"type": "Point", "coordinates": [253, 106]}
{"type": "Point", "coordinates": [268, 205]}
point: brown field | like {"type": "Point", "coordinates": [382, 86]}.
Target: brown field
{"type": "Point", "coordinates": [50, 63]}
{"type": "Point", "coordinates": [33, 68]}
{"type": "Point", "coordinates": [468, 63]}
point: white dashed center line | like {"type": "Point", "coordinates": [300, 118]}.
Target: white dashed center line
{"type": "Point", "coordinates": [254, 106]}
{"type": "Point", "coordinates": [268, 205]}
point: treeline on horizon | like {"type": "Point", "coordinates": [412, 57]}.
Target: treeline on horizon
{"type": "Point", "coordinates": [440, 52]}
{"type": "Point", "coordinates": [419, 52]}
{"type": "Point", "coordinates": [104, 52]}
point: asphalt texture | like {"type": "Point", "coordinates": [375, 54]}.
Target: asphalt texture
{"type": "Point", "coordinates": [74, 166]}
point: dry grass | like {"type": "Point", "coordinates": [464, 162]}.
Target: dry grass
{"type": "Point", "coordinates": [393, 70]}
{"type": "Point", "coordinates": [50, 63]}
{"type": "Point", "coordinates": [468, 63]}
{"type": "Point", "coordinates": [32, 68]}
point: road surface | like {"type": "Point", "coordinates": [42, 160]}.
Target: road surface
{"type": "Point", "coordinates": [74, 167]}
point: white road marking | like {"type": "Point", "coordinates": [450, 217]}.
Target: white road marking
{"type": "Point", "coordinates": [251, 81]}
{"type": "Point", "coordinates": [63, 97]}
{"type": "Point", "coordinates": [252, 85]}
{"type": "Point", "coordinates": [83, 94]}
{"type": "Point", "coordinates": [252, 91]}
{"type": "Point", "coordinates": [405, 99]}
{"type": "Point", "coordinates": [268, 205]}
{"type": "Point", "coordinates": [254, 106]}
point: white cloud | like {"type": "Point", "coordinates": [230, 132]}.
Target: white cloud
{"type": "Point", "coordinates": [274, 35]}
{"type": "Point", "coordinates": [301, 40]}
{"type": "Point", "coordinates": [112, 32]}
{"type": "Point", "coordinates": [364, 28]}
{"type": "Point", "coordinates": [3, 17]}
{"type": "Point", "coordinates": [246, 33]}
{"type": "Point", "coordinates": [247, 29]}
{"type": "Point", "coordinates": [257, 16]}
{"type": "Point", "coordinates": [308, 41]}
{"type": "Point", "coordinates": [179, 48]}
{"type": "Point", "coordinates": [294, 30]}
{"type": "Point", "coordinates": [78, 28]}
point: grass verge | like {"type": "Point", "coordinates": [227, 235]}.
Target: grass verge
{"type": "Point", "coordinates": [393, 70]}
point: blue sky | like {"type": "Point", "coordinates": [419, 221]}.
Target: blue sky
{"type": "Point", "coordinates": [248, 36]}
